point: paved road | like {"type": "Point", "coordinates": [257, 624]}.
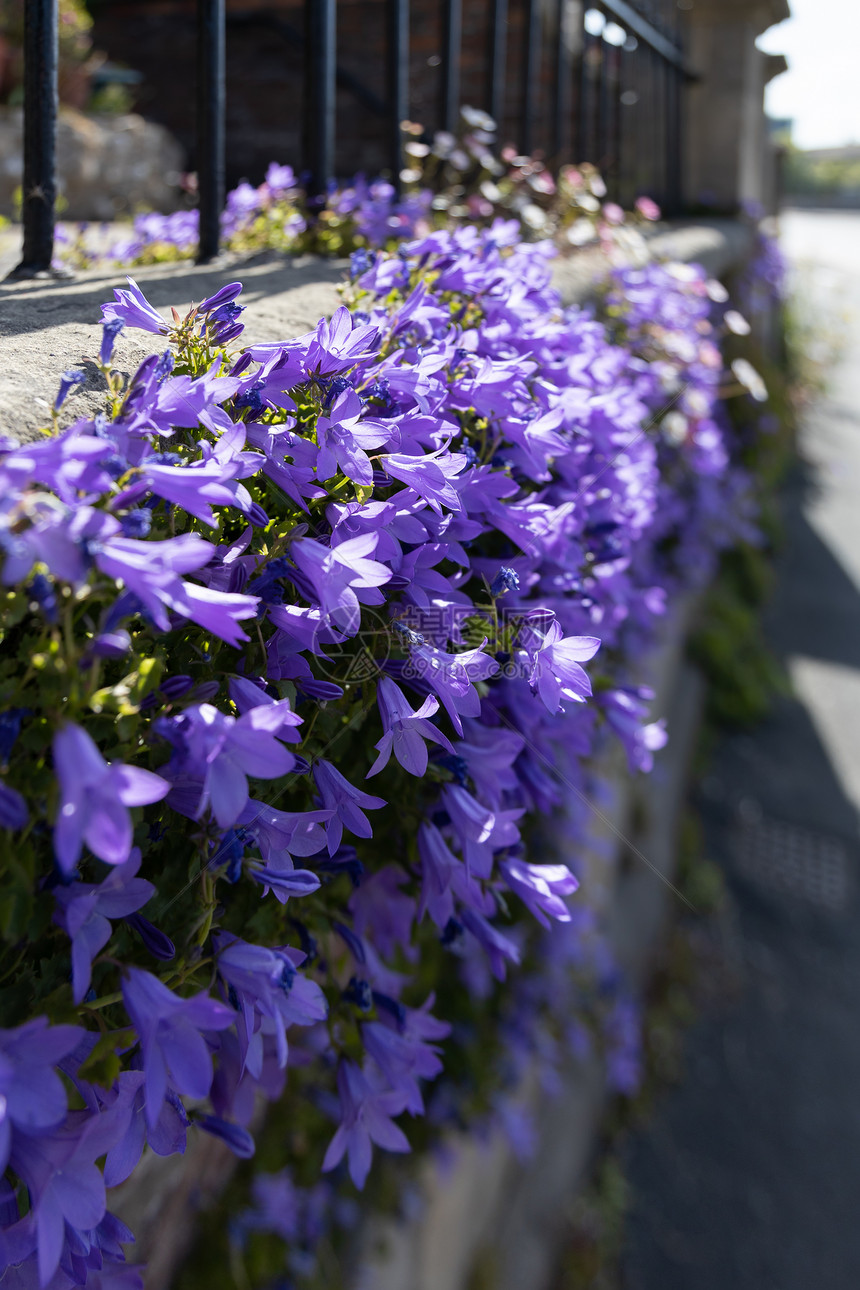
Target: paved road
{"type": "Point", "coordinates": [748, 1178]}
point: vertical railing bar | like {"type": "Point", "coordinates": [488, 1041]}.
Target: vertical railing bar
{"type": "Point", "coordinates": [498, 62]}
{"type": "Point", "coordinates": [563, 85]}
{"type": "Point", "coordinates": [211, 54]}
{"type": "Point", "coordinates": [584, 150]}
{"type": "Point", "coordinates": [531, 73]}
{"type": "Point", "coordinates": [452, 34]}
{"type": "Point", "coordinates": [600, 159]}
{"type": "Point", "coordinates": [320, 90]}
{"type": "Point", "coordinates": [40, 138]}
{"type": "Point", "coordinates": [398, 84]}
{"type": "Point", "coordinates": [657, 118]}
{"type": "Point", "coordinates": [671, 140]}
{"type": "Point", "coordinates": [617, 143]}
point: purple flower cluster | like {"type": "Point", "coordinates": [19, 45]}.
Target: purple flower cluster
{"type": "Point", "coordinates": [431, 521]}
{"type": "Point", "coordinates": [273, 215]}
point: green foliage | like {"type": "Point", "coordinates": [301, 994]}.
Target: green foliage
{"type": "Point", "coordinates": [807, 174]}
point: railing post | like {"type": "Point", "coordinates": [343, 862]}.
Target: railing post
{"type": "Point", "coordinates": [211, 54]}
{"type": "Point", "coordinates": [531, 73]}
{"type": "Point", "coordinates": [563, 89]}
{"type": "Point", "coordinates": [585, 123]}
{"type": "Point", "coordinates": [40, 137]}
{"type": "Point", "coordinates": [451, 41]}
{"type": "Point", "coordinates": [498, 61]}
{"type": "Point", "coordinates": [398, 83]}
{"type": "Point", "coordinates": [320, 88]}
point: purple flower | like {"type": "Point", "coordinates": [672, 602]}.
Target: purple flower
{"type": "Point", "coordinates": [405, 730]}
{"type": "Point", "coordinates": [223, 296]}
{"type": "Point", "coordinates": [68, 381]}
{"type": "Point", "coordinates": [280, 179]}
{"type": "Point", "coordinates": [111, 328]}
{"type": "Point", "coordinates": [340, 343]}
{"type": "Point", "coordinates": [402, 1051]}
{"type": "Point", "coordinates": [505, 580]}
{"type": "Point", "coordinates": [452, 677]}
{"type": "Point", "coordinates": [212, 481]}
{"type": "Point", "coordinates": [173, 1048]}
{"type": "Point", "coordinates": [238, 1139]}
{"type": "Point", "coordinates": [500, 949]}
{"type": "Point", "coordinates": [341, 797]}
{"type": "Point", "coordinates": [66, 1184]}
{"type": "Point", "coordinates": [32, 1095]}
{"type": "Point", "coordinates": [151, 570]}
{"type": "Point", "coordinates": [215, 753]}
{"type": "Point", "coordinates": [285, 882]}
{"type": "Point", "coordinates": [13, 808]}
{"type": "Point", "coordinates": [343, 438]}
{"type": "Point", "coordinates": [132, 308]}
{"type": "Point", "coordinates": [166, 1137]}
{"type": "Point", "coordinates": [94, 799]}
{"type": "Point", "coordinates": [382, 911]}
{"type": "Point", "coordinates": [440, 872]}
{"type": "Point", "coordinates": [429, 475]}
{"type": "Point", "coordinates": [555, 669]}
{"type": "Point", "coordinates": [283, 834]}
{"type": "Point", "coordinates": [246, 695]}
{"type": "Point", "coordinates": [84, 910]}
{"type": "Point", "coordinates": [366, 1119]}
{"type": "Point", "coordinates": [271, 994]}
{"type": "Point", "coordinates": [542, 887]}
{"type": "Point", "coordinates": [341, 577]}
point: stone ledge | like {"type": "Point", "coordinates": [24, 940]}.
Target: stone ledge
{"type": "Point", "coordinates": [49, 326]}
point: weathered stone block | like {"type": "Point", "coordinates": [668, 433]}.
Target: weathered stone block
{"type": "Point", "coordinates": [108, 165]}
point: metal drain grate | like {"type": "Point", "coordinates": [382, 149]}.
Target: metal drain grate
{"type": "Point", "coordinates": [788, 858]}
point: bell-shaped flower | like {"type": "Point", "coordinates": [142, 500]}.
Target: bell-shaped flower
{"type": "Point", "coordinates": [340, 342]}
{"type": "Point", "coordinates": [542, 887]}
{"type": "Point", "coordinates": [134, 310]}
{"type": "Point", "coordinates": [214, 753]}
{"type": "Point", "coordinates": [556, 673]}
{"type": "Point", "coordinates": [404, 730]}
{"type": "Point", "coordinates": [175, 1053]}
{"type": "Point", "coordinates": [32, 1095]}
{"type": "Point", "coordinates": [429, 475]}
{"type": "Point", "coordinates": [152, 571]}
{"type": "Point", "coordinates": [365, 1119]}
{"type": "Point", "coordinates": [342, 577]}
{"type": "Point", "coordinates": [246, 695]}
{"type": "Point", "coordinates": [343, 440]}
{"type": "Point", "coordinates": [271, 993]}
{"type": "Point", "coordinates": [85, 908]}
{"type": "Point", "coordinates": [95, 797]}
{"type": "Point", "coordinates": [452, 677]}
{"type": "Point", "coordinates": [345, 801]}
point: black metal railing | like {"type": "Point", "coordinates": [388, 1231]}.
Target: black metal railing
{"type": "Point", "coordinates": [602, 83]}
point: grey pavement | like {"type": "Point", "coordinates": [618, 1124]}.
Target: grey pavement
{"type": "Point", "coordinates": [748, 1175]}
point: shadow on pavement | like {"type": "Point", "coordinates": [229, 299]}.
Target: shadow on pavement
{"type": "Point", "coordinates": [748, 1177]}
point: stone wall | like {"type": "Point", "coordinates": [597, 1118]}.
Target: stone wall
{"type": "Point", "coordinates": [729, 159]}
